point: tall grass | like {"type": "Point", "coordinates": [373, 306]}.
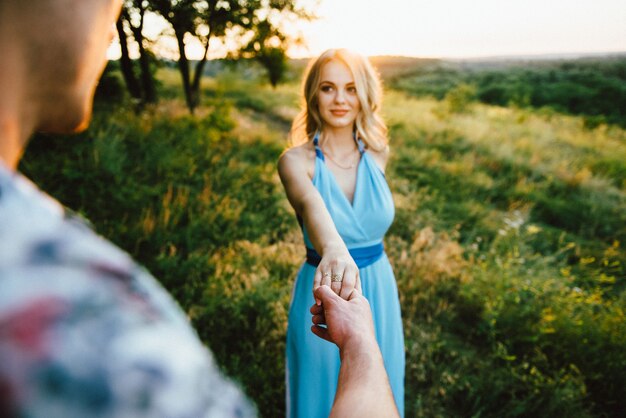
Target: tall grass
{"type": "Point", "coordinates": [507, 329]}
{"type": "Point", "coordinates": [507, 244]}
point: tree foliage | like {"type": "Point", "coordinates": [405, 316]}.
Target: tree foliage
{"type": "Point", "coordinates": [266, 46]}
{"type": "Point", "coordinates": [257, 20]}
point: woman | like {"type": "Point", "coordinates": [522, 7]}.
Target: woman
{"type": "Point", "coordinates": [334, 179]}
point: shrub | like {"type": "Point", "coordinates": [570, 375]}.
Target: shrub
{"type": "Point", "coordinates": [459, 98]}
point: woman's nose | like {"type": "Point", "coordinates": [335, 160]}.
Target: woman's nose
{"type": "Point", "coordinates": [340, 96]}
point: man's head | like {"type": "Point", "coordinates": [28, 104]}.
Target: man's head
{"type": "Point", "coordinates": [54, 51]}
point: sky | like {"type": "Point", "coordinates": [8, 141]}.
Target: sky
{"type": "Point", "coordinates": [454, 28]}
{"type": "Point", "coordinates": [467, 28]}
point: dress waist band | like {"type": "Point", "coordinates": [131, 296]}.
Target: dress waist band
{"type": "Point", "coordinates": [363, 256]}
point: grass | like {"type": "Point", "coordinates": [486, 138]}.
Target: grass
{"type": "Point", "coordinates": [507, 244]}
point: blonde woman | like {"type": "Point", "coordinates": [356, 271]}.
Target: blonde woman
{"type": "Point", "coordinates": [333, 176]}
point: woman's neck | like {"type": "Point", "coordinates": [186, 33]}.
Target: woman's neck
{"type": "Point", "coordinates": [338, 141]}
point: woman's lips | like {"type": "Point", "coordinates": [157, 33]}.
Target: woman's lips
{"type": "Point", "coordinates": [339, 112]}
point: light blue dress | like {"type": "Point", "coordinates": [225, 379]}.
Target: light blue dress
{"type": "Point", "coordinates": [312, 363]}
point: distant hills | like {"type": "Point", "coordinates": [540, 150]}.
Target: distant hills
{"type": "Point", "coordinates": [593, 85]}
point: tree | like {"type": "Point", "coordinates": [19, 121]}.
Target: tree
{"type": "Point", "coordinates": [275, 62]}
{"type": "Point", "coordinates": [126, 65]}
{"type": "Point", "coordinates": [267, 46]}
{"type": "Point", "coordinates": [132, 16]}
{"type": "Point", "coordinates": [209, 19]}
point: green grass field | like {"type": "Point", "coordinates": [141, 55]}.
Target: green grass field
{"type": "Point", "coordinates": [507, 244]}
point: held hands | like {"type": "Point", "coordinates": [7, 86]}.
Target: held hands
{"type": "Point", "coordinates": [349, 322]}
{"type": "Point", "coordinates": [338, 270]}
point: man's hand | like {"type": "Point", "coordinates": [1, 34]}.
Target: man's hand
{"type": "Point", "coordinates": [363, 388]}
{"type": "Point", "coordinates": [348, 322]}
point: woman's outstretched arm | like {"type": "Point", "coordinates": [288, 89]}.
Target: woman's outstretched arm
{"type": "Point", "coordinates": [296, 167]}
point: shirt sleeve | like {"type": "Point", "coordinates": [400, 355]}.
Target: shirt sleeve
{"type": "Point", "coordinates": [84, 332]}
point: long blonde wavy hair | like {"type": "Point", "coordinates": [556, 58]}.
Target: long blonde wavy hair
{"type": "Point", "coordinates": [369, 125]}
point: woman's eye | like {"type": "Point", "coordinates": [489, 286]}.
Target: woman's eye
{"type": "Point", "coordinates": [352, 90]}
{"type": "Point", "coordinates": [326, 89]}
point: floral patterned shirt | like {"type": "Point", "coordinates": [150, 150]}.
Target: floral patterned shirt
{"type": "Point", "coordinates": [86, 332]}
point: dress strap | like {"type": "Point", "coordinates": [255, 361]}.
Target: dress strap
{"type": "Point", "coordinates": [359, 143]}
{"type": "Point", "coordinates": [316, 142]}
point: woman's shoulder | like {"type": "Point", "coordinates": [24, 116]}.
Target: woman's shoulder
{"type": "Point", "coordinates": [304, 150]}
{"type": "Point", "coordinates": [380, 156]}
{"type": "Point", "coordinates": [298, 158]}
{"type": "Point", "coordinates": [299, 154]}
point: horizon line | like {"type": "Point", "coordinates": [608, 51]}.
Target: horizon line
{"type": "Point", "coordinates": [530, 56]}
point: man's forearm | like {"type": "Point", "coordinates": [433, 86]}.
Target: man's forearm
{"type": "Point", "coordinates": [363, 389]}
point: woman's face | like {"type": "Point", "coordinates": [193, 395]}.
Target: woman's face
{"type": "Point", "coordinates": [338, 102]}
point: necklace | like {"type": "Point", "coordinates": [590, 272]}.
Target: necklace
{"type": "Point", "coordinates": [352, 165]}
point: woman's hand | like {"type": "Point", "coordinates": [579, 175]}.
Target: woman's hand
{"type": "Point", "coordinates": [337, 270]}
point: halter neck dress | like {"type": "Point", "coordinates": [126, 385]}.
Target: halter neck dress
{"type": "Point", "coordinates": [312, 363]}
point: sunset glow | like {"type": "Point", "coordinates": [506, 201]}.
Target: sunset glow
{"type": "Point", "coordinates": [447, 28]}
{"type": "Point", "coordinates": [458, 28]}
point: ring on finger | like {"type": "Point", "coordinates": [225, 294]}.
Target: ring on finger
{"type": "Point", "coordinates": [327, 274]}
{"type": "Point", "coordinates": [336, 278]}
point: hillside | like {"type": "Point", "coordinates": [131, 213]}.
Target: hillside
{"type": "Point", "coordinates": [593, 87]}
{"type": "Point", "coordinates": [507, 243]}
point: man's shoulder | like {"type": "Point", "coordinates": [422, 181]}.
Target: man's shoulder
{"type": "Point", "coordinates": [47, 249]}
{"type": "Point", "coordinates": [37, 232]}
{"type": "Point", "coordinates": [76, 309]}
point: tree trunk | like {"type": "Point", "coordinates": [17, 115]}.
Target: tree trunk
{"type": "Point", "coordinates": [147, 81]}
{"type": "Point", "coordinates": [126, 64]}
{"type": "Point", "coordinates": [183, 67]}
{"type": "Point", "coordinates": [195, 87]}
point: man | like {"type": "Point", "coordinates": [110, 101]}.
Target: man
{"type": "Point", "coordinates": [84, 331]}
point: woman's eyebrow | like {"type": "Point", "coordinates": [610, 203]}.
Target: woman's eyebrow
{"type": "Point", "coordinates": [350, 83]}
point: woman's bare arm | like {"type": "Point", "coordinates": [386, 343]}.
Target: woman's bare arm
{"type": "Point", "coordinates": [296, 168]}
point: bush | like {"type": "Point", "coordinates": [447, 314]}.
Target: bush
{"type": "Point", "coordinates": [111, 88]}
{"type": "Point", "coordinates": [459, 98]}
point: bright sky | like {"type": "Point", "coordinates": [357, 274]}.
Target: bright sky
{"type": "Point", "coordinates": [453, 28]}
{"type": "Point", "coordinates": [467, 28]}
